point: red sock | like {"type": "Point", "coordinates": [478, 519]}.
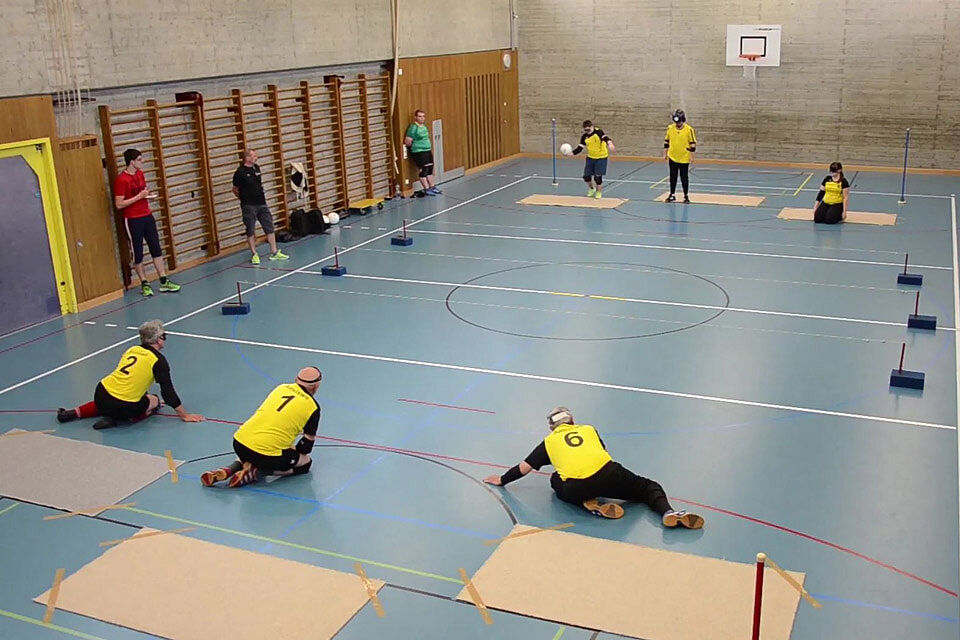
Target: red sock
{"type": "Point", "coordinates": [88, 410]}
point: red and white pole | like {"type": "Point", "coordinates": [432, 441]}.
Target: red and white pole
{"type": "Point", "coordinates": [758, 595]}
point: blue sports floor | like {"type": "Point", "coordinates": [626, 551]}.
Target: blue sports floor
{"type": "Point", "coordinates": [740, 360]}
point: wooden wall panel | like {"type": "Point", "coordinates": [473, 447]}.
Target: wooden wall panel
{"type": "Point", "coordinates": [86, 217]}
{"type": "Point", "coordinates": [474, 96]}
{"type": "Point", "coordinates": [225, 140]}
{"type": "Point", "coordinates": [27, 118]}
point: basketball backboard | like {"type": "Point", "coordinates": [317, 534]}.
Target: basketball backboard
{"type": "Point", "coordinates": [759, 41]}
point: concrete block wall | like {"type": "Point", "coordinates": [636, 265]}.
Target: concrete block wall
{"type": "Point", "coordinates": [854, 76]}
{"type": "Point", "coordinates": [139, 42]}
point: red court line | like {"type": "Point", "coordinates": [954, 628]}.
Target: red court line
{"type": "Point", "coordinates": [727, 512]}
{"type": "Point", "coordinates": [105, 313]}
{"type": "Point", "coordinates": [443, 406]}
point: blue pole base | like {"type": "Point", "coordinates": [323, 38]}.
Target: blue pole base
{"type": "Point", "coordinates": [910, 278]}
{"type": "Point", "coordinates": [401, 241]}
{"type": "Point", "coordinates": [235, 309]}
{"type": "Point", "coordinates": [333, 271]}
{"type": "Point", "coordinates": [922, 322]}
{"type": "Point", "coordinates": [906, 379]}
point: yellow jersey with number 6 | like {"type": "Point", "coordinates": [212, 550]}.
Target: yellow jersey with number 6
{"type": "Point", "coordinates": [575, 451]}
{"type": "Point", "coordinates": [278, 421]}
{"type": "Point", "coordinates": [133, 375]}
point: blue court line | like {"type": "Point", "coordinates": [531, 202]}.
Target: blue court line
{"type": "Point", "coordinates": [283, 536]}
{"type": "Point", "coordinates": [880, 607]}
{"type": "Point", "coordinates": [357, 510]}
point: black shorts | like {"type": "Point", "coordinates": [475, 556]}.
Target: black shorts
{"type": "Point", "coordinates": [828, 213]}
{"type": "Point", "coordinates": [424, 160]}
{"type": "Point", "coordinates": [117, 409]}
{"type": "Point", "coordinates": [268, 464]}
{"type": "Point", "coordinates": [140, 229]}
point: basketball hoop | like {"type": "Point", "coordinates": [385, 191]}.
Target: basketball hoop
{"type": "Point", "coordinates": [750, 70]}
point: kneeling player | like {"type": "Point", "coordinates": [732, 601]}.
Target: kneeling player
{"type": "Point", "coordinates": [264, 444]}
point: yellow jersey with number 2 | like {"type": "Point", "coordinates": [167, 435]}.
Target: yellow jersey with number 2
{"type": "Point", "coordinates": [278, 421]}
{"type": "Point", "coordinates": [575, 451]}
{"type": "Point", "coordinates": [133, 376]}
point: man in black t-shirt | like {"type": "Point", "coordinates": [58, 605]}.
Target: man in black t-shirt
{"type": "Point", "coordinates": [248, 186]}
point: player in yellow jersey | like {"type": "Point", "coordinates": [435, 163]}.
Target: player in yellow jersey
{"type": "Point", "coordinates": [679, 145]}
{"type": "Point", "coordinates": [831, 204]}
{"type": "Point", "coordinates": [122, 396]}
{"type": "Point", "coordinates": [598, 146]}
{"type": "Point", "coordinates": [585, 472]}
{"type": "Point", "coordinates": [264, 444]}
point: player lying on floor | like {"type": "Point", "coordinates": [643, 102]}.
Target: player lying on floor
{"type": "Point", "coordinates": [586, 472]}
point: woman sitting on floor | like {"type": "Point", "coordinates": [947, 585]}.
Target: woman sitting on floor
{"type": "Point", "coordinates": [831, 205]}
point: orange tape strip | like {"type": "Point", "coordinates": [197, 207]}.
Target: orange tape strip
{"type": "Point", "coordinates": [83, 512]}
{"type": "Point", "coordinates": [23, 433]}
{"type": "Point", "coordinates": [371, 590]}
{"type": "Point", "coordinates": [52, 598]}
{"type": "Point", "coordinates": [796, 585]}
{"type": "Point", "coordinates": [475, 596]}
{"type": "Point", "coordinates": [173, 467]}
{"type": "Point", "coordinates": [556, 527]}
{"type": "Point", "coordinates": [149, 534]}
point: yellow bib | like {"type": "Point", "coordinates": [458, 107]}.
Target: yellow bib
{"type": "Point", "coordinates": [575, 451]}
{"type": "Point", "coordinates": [679, 141]}
{"type": "Point", "coordinates": [278, 421]}
{"type": "Point", "coordinates": [833, 192]}
{"type": "Point", "coordinates": [133, 376]}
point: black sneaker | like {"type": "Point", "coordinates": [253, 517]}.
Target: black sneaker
{"type": "Point", "coordinates": [66, 415]}
{"type": "Point", "coordinates": [671, 198]}
{"type": "Point", "coordinates": [105, 423]}
{"type": "Point", "coordinates": [686, 200]}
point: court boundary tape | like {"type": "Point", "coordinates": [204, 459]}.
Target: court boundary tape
{"type": "Point", "coordinates": [956, 315]}
{"type": "Point", "coordinates": [665, 303]}
{"type": "Point", "coordinates": [633, 245]}
{"type": "Point", "coordinates": [572, 381]}
{"type": "Point", "coordinates": [263, 284]}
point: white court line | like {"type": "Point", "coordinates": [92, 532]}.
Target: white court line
{"type": "Point", "coordinates": [490, 305]}
{"type": "Point", "coordinates": [664, 303]}
{"type": "Point", "coordinates": [572, 381]}
{"type": "Point", "coordinates": [262, 284]}
{"type": "Point", "coordinates": [634, 234]}
{"type": "Point", "coordinates": [798, 172]}
{"type": "Point", "coordinates": [625, 268]}
{"type": "Point", "coordinates": [757, 186]}
{"type": "Point", "coordinates": [666, 248]}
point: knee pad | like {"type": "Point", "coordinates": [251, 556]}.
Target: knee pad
{"type": "Point", "coordinates": [598, 179]}
{"type": "Point", "coordinates": [587, 179]}
{"type": "Point", "coordinates": [299, 471]}
{"type": "Point", "coordinates": [426, 170]}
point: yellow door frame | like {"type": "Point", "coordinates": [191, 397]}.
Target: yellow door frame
{"type": "Point", "coordinates": [38, 154]}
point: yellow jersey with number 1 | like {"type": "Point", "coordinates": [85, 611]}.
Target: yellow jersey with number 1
{"type": "Point", "coordinates": [278, 421]}
{"type": "Point", "coordinates": [575, 451]}
{"type": "Point", "coordinates": [133, 375]}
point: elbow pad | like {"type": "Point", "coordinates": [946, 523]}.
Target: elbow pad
{"type": "Point", "coordinates": [304, 446]}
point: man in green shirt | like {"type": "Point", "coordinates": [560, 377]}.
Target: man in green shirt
{"type": "Point", "coordinates": [417, 139]}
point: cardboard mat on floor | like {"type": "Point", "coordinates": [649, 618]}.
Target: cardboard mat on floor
{"type": "Point", "coordinates": [631, 590]}
{"type": "Point", "coordinates": [178, 587]}
{"type": "Point", "coordinates": [72, 474]}
{"type": "Point", "coordinates": [716, 198]}
{"type": "Point", "coordinates": [856, 217]}
{"type": "Point", "coordinates": [573, 201]}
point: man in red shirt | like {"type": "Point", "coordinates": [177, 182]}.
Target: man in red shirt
{"type": "Point", "coordinates": [130, 195]}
